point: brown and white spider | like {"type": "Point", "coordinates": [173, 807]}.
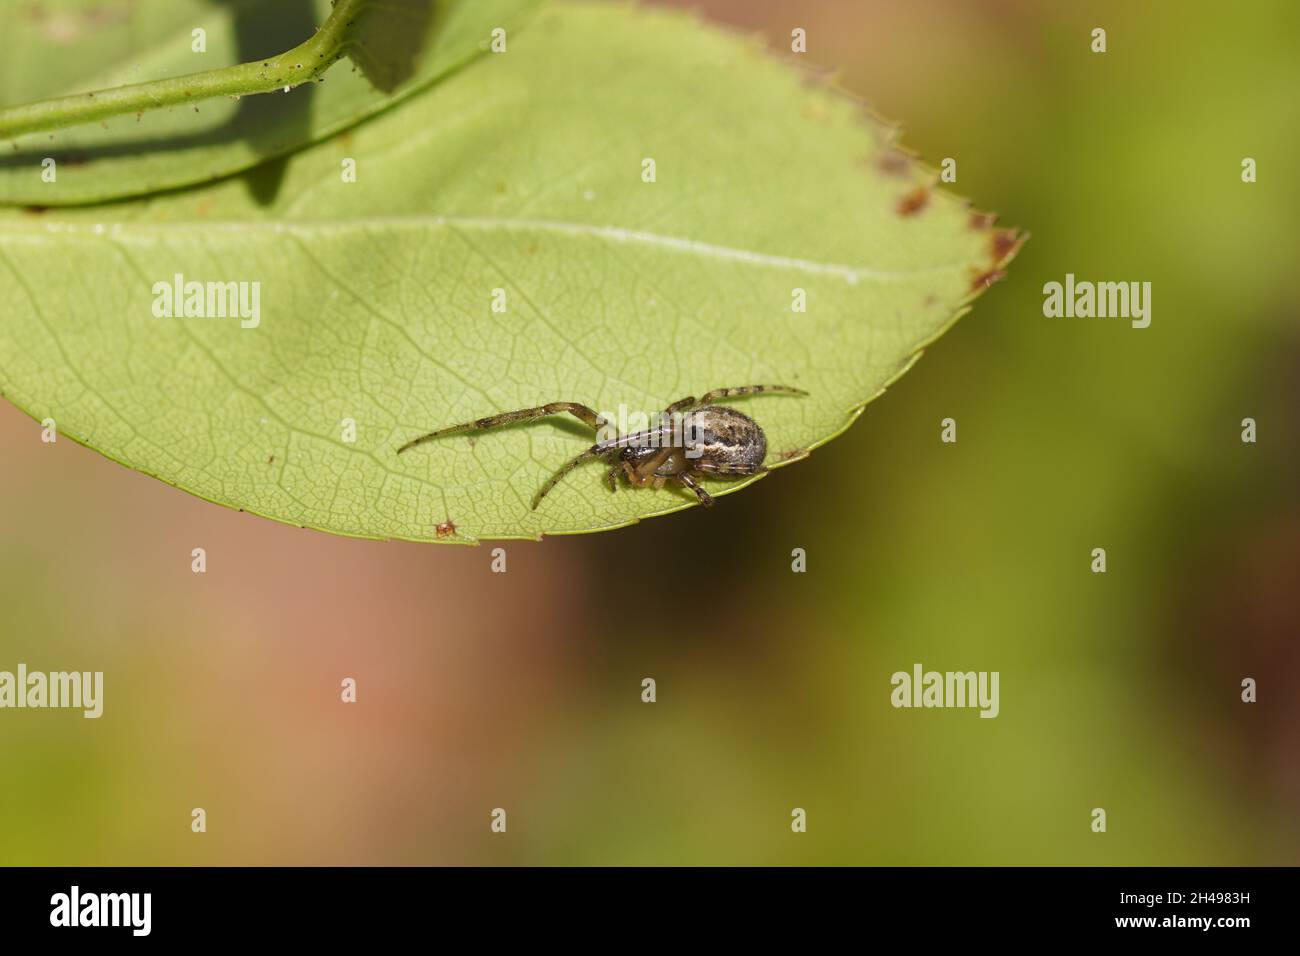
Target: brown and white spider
{"type": "Point", "coordinates": [693, 439]}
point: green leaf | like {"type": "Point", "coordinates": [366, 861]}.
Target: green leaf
{"type": "Point", "coordinates": [522, 173]}
{"type": "Point", "coordinates": [401, 46]}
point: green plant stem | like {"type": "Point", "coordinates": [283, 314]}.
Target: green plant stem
{"type": "Point", "coordinates": [302, 64]}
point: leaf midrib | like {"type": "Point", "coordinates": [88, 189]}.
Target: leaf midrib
{"type": "Point", "coordinates": [123, 232]}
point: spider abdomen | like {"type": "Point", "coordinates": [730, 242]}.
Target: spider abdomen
{"type": "Point", "coordinates": [723, 440]}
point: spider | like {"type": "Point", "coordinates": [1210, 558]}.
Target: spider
{"type": "Point", "coordinates": [693, 438]}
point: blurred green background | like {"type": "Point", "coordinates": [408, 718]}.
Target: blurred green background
{"type": "Point", "coordinates": [481, 690]}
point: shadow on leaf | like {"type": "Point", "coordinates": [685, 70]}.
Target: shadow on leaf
{"type": "Point", "coordinates": [387, 39]}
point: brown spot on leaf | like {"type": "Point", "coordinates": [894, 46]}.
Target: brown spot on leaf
{"type": "Point", "coordinates": [1003, 244]}
{"type": "Point", "coordinates": [986, 279]}
{"type": "Point", "coordinates": [34, 210]}
{"type": "Point", "coordinates": [792, 454]}
{"type": "Point", "coordinates": [980, 221]}
{"type": "Point", "coordinates": [446, 529]}
{"type": "Point", "coordinates": [894, 162]}
{"type": "Point", "coordinates": [914, 202]}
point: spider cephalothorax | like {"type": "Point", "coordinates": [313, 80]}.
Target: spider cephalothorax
{"type": "Point", "coordinates": [692, 439]}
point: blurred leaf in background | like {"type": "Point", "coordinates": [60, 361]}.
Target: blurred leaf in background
{"type": "Point", "coordinates": [60, 47]}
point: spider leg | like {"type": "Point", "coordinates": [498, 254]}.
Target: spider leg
{"type": "Point", "coordinates": [685, 404]}
{"type": "Point", "coordinates": [735, 471]}
{"type": "Point", "coordinates": [594, 451]}
{"type": "Point", "coordinates": [685, 478]}
{"type": "Point", "coordinates": [718, 393]}
{"type": "Point", "coordinates": [509, 418]}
